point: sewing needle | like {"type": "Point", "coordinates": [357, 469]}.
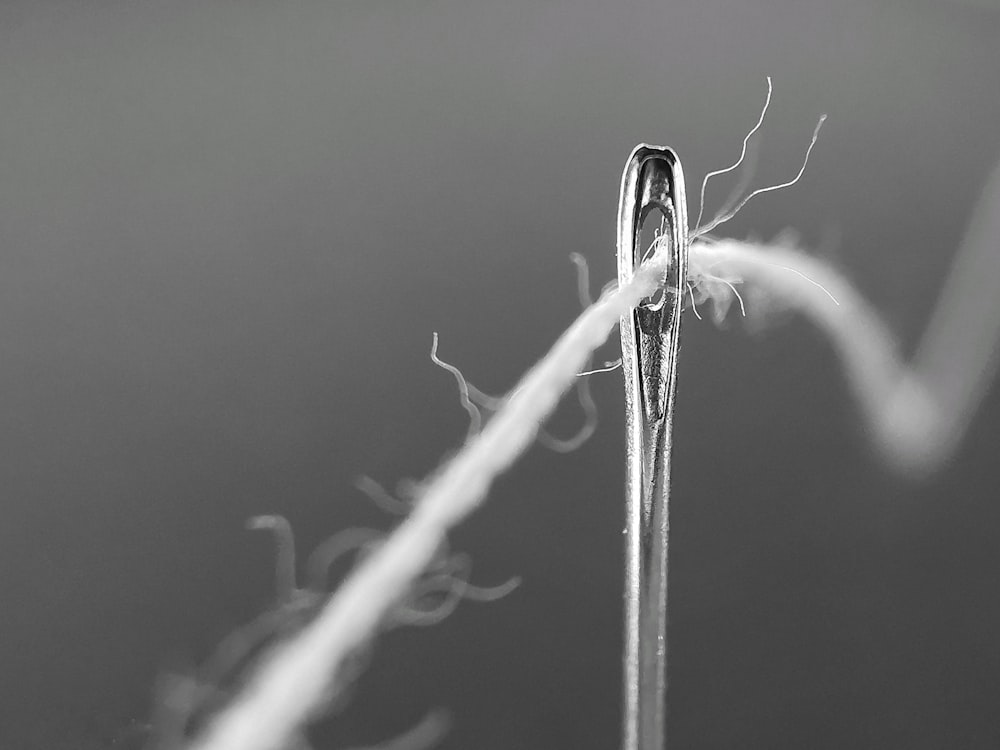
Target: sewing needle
{"type": "Point", "coordinates": [652, 180]}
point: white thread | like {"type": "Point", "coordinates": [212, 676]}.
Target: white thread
{"type": "Point", "coordinates": [292, 683]}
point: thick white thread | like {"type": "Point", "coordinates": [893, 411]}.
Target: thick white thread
{"type": "Point", "coordinates": [291, 686]}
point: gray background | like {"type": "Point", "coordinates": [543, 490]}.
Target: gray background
{"type": "Point", "coordinates": [227, 231]}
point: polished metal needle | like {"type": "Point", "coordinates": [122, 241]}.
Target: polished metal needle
{"type": "Point", "coordinates": [650, 335]}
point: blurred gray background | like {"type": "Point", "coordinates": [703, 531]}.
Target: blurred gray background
{"type": "Point", "coordinates": [228, 229]}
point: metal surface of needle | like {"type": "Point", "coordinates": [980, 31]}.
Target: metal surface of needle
{"type": "Point", "coordinates": [652, 181]}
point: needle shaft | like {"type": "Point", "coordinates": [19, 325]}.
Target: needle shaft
{"type": "Point", "coordinates": [652, 180]}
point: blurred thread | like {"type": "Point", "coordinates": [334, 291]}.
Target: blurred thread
{"type": "Point", "coordinates": [284, 540]}
{"type": "Point", "coordinates": [957, 357]}
{"type": "Point", "coordinates": [916, 414]}
{"type": "Point", "coordinates": [187, 702]}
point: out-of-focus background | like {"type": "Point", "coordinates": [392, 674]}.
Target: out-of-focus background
{"type": "Point", "coordinates": [228, 230]}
